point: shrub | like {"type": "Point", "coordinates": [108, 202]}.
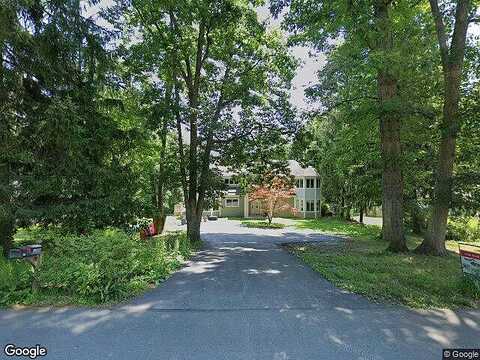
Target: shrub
{"type": "Point", "coordinates": [103, 266]}
{"type": "Point", "coordinates": [262, 225]}
{"type": "Point", "coordinates": [465, 229]}
{"type": "Point", "coordinates": [15, 281]}
{"type": "Point", "coordinates": [325, 210]}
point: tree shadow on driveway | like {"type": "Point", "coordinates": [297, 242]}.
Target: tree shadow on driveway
{"type": "Point", "coordinates": [243, 297]}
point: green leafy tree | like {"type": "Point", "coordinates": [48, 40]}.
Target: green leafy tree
{"type": "Point", "coordinates": [451, 28]}
{"type": "Point", "coordinates": [226, 69]}
{"type": "Point", "coordinates": [375, 29]}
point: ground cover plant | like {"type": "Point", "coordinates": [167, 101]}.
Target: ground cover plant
{"type": "Point", "coordinates": [102, 267]}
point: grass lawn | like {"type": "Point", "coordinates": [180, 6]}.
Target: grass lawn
{"type": "Point", "coordinates": [260, 224]}
{"type": "Point", "coordinates": [363, 266]}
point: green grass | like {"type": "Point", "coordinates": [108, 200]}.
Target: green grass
{"type": "Point", "coordinates": [363, 266]}
{"type": "Point", "coordinates": [337, 226]}
{"type": "Point", "coordinates": [262, 224]}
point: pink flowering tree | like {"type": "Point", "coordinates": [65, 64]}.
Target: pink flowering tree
{"type": "Point", "coordinates": [274, 196]}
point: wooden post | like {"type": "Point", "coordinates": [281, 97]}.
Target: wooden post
{"type": "Point", "coordinates": [35, 261]}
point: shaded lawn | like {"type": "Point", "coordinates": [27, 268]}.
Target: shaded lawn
{"type": "Point", "coordinates": [363, 266]}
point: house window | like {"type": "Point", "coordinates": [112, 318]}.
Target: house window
{"type": "Point", "coordinates": [310, 204]}
{"type": "Point", "coordinates": [232, 202]}
{"type": "Point", "coordinates": [318, 205]}
{"type": "Point", "coordinates": [318, 183]}
{"type": "Point", "coordinates": [310, 183]}
{"type": "Point", "coordinates": [230, 181]}
{"type": "Point", "coordinates": [301, 205]}
{"type": "Point", "coordinates": [299, 183]}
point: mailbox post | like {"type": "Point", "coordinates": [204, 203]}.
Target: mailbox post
{"type": "Point", "coordinates": [31, 254]}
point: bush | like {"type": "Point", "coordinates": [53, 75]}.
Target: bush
{"type": "Point", "coordinates": [465, 229]}
{"type": "Point", "coordinates": [15, 281]}
{"type": "Point", "coordinates": [104, 266]}
{"type": "Point", "coordinates": [325, 210]}
{"type": "Point", "coordinates": [262, 225]}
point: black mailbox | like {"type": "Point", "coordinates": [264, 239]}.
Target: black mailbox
{"type": "Point", "coordinates": [25, 251]}
{"type": "Point", "coordinates": [15, 254]}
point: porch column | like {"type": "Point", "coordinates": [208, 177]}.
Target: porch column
{"type": "Point", "coordinates": [245, 206]}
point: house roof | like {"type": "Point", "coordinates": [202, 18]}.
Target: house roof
{"type": "Point", "coordinates": [295, 169]}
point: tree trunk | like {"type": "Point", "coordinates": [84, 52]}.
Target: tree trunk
{"type": "Point", "coordinates": [7, 218]}
{"type": "Point", "coordinates": [452, 64]}
{"type": "Point", "coordinates": [418, 218]}
{"type": "Point", "coordinates": [361, 215]}
{"type": "Point", "coordinates": [193, 222]}
{"type": "Point", "coordinates": [390, 123]}
{"type": "Point", "coordinates": [392, 180]}
{"type": "Point", "coordinates": [348, 210]}
{"type": "Point", "coordinates": [159, 219]}
{"type": "Point", "coordinates": [7, 229]}
{"type": "Point", "coordinates": [434, 241]}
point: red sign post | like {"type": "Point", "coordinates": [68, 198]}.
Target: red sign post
{"type": "Point", "coordinates": [151, 230]}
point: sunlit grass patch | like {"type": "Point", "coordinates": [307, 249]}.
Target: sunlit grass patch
{"type": "Point", "coordinates": [363, 266]}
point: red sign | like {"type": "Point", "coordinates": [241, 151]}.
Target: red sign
{"type": "Point", "coordinates": [151, 230]}
{"type": "Point", "coordinates": [469, 254]}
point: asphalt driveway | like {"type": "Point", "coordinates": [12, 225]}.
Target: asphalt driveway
{"type": "Point", "coordinates": [244, 297]}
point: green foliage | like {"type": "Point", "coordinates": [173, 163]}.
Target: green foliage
{"type": "Point", "coordinates": [102, 267]}
{"type": "Point", "coordinates": [466, 229]}
{"type": "Point", "coordinates": [262, 225]}
{"type": "Point", "coordinates": [70, 139]}
{"type": "Point", "coordinates": [15, 281]}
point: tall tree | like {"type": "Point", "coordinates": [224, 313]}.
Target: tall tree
{"type": "Point", "coordinates": [452, 46]}
{"type": "Point", "coordinates": [226, 67]}
{"type": "Point", "coordinates": [375, 28]}
{"type": "Point", "coordinates": [63, 156]}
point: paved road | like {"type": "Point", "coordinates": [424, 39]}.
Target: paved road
{"type": "Point", "coordinates": [243, 297]}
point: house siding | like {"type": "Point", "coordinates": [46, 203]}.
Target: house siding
{"type": "Point", "coordinates": [309, 189]}
{"type": "Point", "coordinates": [232, 211]}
